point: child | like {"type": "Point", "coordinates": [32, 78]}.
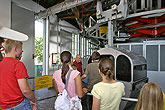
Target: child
{"type": "Point", "coordinates": [108, 93]}
{"type": "Point", "coordinates": [150, 98]}
{"type": "Point", "coordinates": [74, 86]}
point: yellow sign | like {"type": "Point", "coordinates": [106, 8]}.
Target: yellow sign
{"type": "Point", "coordinates": [43, 82]}
{"type": "Point", "coordinates": [102, 29]}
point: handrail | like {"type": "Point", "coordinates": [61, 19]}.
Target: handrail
{"type": "Point", "coordinates": [129, 99]}
{"type": "Point", "coordinates": [123, 98]}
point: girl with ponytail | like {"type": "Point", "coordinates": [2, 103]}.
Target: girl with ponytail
{"type": "Point", "coordinates": [74, 87]}
{"type": "Point", "coordinates": [108, 93]}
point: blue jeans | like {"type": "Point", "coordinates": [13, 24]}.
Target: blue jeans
{"type": "Point", "coordinates": [24, 105]}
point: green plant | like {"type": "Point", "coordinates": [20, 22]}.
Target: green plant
{"type": "Point", "coordinates": [39, 49]}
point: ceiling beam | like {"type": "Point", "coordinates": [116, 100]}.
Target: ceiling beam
{"type": "Point", "coordinates": [77, 14]}
{"type": "Point", "coordinates": [62, 7]}
{"type": "Point", "coordinates": [58, 1]}
{"type": "Point", "coordinates": [90, 5]}
{"type": "Point", "coordinates": [64, 16]}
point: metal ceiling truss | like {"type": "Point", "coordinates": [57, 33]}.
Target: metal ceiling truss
{"type": "Point", "coordinates": [68, 4]}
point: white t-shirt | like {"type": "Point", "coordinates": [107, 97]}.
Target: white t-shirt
{"type": "Point", "coordinates": [110, 94]}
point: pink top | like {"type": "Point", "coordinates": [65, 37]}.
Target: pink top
{"type": "Point", "coordinates": [71, 83]}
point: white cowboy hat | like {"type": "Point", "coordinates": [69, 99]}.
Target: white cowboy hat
{"type": "Point", "coordinates": [11, 34]}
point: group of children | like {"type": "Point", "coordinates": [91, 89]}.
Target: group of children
{"type": "Point", "coordinates": [107, 94]}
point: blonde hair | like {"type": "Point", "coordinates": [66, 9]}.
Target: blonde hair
{"type": "Point", "coordinates": [150, 98]}
{"type": "Point", "coordinates": [9, 44]}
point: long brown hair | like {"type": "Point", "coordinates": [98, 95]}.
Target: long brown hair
{"type": "Point", "coordinates": [65, 59]}
{"type": "Point", "coordinates": [106, 66]}
{"type": "Point", "coordinates": [150, 98]}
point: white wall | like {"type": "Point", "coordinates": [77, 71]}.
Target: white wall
{"type": "Point", "coordinates": [23, 21]}
{"type": "Point", "coordinates": [5, 13]}
{"type": "Point", "coordinates": [158, 78]}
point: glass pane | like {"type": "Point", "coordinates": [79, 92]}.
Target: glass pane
{"type": "Point", "coordinates": [39, 27]}
{"type": "Point", "coordinates": [152, 57]}
{"type": "Point", "coordinates": [78, 42]}
{"type": "Point", "coordinates": [140, 71]}
{"type": "Point", "coordinates": [124, 46]}
{"type": "Point", "coordinates": [162, 58]}
{"type": "Point", "coordinates": [123, 68]}
{"type": "Point", "coordinates": [138, 49]}
{"type": "Point", "coordinates": [87, 47]}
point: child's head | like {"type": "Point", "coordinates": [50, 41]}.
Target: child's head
{"type": "Point", "coordinates": [65, 59]}
{"type": "Point", "coordinates": [150, 98]}
{"type": "Point", "coordinates": [95, 55]}
{"type": "Point", "coordinates": [9, 44]}
{"type": "Point", "coordinates": [106, 67]}
{"type": "Point", "coordinates": [14, 47]}
{"type": "Point", "coordinates": [65, 56]}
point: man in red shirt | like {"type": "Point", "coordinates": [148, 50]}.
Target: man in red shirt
{"type": "Point", "coordinates": [78, 63]}
{"type": "Point", "coordinates": [14, 90]}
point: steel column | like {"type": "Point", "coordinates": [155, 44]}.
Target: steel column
{"type": "Point", "coordinates": [46, 47]}
{"type": "Point", "coordinates": [110, 34]}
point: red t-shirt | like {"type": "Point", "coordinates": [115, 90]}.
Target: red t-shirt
{"type": "Point", "coordinates": [79, 66]}
{"type": "Point", "coordinates": [10, 93]}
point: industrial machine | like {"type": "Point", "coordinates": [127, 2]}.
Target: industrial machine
{"type": "Point", "coordinates": [130, 69]}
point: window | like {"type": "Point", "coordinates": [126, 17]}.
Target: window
{"type": "Point", "coordinates": [73, 44]}
{"type": "Point", "coordinates": [152, 57]}
{"type": "Point", "coordinates": [38, 47]}
{"type": "Point", "coordinates": [140, 71]}
{"type": "Point", "coordinates": [138, 49]}
{"type": "Point", "coordinates": [162, 57]}
{"type": "Point", "coordinates": [123, 68]}
{"type": "Point", "coordinates": [124, 46]}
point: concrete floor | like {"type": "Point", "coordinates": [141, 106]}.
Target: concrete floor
{"type": "Point", "coordinates": [46, 98]}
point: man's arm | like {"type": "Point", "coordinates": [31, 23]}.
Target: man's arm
{"type": "Point", "coordinates": [86, 73]}
{"type": "Point", "coordinates": [26, 91]}
{"type": "Point", "coordinates": [83, 76]}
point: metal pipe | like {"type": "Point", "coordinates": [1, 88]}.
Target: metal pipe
{"type": "Point", "coordinates": [129, 99]}
{"type": "Point", "coordinates": [47, 44]}
{"type": "Point", "coordinates": [123, 98]}
{"type": "Point", "coordinates": [44, 49]}
{"type": "Point", "coordinates": [110, 34]}
{"type": "Point", "coordinates": [147, 13]}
